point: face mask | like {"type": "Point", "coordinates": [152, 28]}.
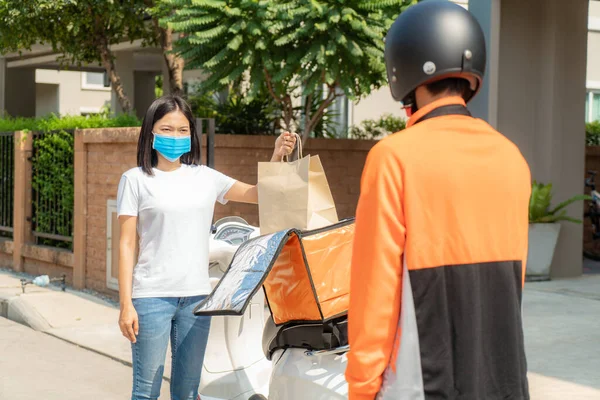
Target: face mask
{"type": "Point", "coordinates": [171, 147]}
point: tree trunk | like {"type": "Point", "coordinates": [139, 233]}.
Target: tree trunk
{"type": "Point", "coordinates": [108, 61]}
{"type": "Point", "coordinates": [175, 64]}
{"type": "Point", "coordinates": [310, 121]}
{"type": "Point", "coordinates": [287, 108]}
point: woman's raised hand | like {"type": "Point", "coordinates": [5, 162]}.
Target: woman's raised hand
{"type": "Point", "coordinates": [285, 144]}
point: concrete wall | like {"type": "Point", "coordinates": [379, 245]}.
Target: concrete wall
{"type": "Point", "coordinates": [378, 103]}
{"type": "Point", "coordinates": [144, 91]}
{"type": "Point", "coordinates": [594, 8]}
{"type": "Point", "coordinates": [593, 61]}
{"type": "Point", "coordinates": [124, 64]}
{"type": "Point", "coordinates": [541, 102]}
{"type": "Point", "coordinates": [593, 48]}
{"type": "Point", "coordinates": [73, 98]}
{"type": "Point", "coordinates": [47, 99]}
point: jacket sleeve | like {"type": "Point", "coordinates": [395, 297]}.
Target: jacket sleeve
{"type": "Point", "coordinates": [376, 273]}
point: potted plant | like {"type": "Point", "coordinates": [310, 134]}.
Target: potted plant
{"type": "Point", "coordinates": [544, 229]}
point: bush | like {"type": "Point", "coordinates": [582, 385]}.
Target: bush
{"type": "Point", "coordinates": [234, 115]}
{"type": "Point", "coordinates": [52, 182]}
{"type": "Point", "coordinates": [592, 133]}
{"type": "Point", "coordinates": [376, 129]}
{"type": "Point", "coordinates": [53, 122]}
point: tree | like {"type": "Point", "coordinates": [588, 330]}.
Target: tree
{"type": "Point", "coordinates": [314, 48]}
{"type": "Point", "coordinates": [83, 31]}
{"type": "Point", "coordinates": [175, 64]}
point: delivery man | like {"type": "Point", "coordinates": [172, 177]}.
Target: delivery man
{"type": "Point", "coordinates": [441, 230]}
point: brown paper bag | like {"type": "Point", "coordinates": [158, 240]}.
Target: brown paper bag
{"type": "Point", "coordinates": [294, 195]}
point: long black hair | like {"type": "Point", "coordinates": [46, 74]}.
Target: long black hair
{"type": "Point", "coordinates": [146, 155]}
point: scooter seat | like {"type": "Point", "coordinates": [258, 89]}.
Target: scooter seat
{"type": "Point", "coordinates": [306, 335]}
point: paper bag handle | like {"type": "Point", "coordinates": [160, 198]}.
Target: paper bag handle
{"type": "Point", "coordinates": [299, 144]}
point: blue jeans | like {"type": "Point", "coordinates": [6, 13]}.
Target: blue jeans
{"type": "Point", "coordinates": [160, 319]}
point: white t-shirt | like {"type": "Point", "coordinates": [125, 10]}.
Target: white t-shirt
{"type": "Point", "coordinates": [175, 212]}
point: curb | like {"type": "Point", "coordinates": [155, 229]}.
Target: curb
{"type": "Point", "coordinates": [15, 309]}
{"type": "Point", "coordinates": [93, 350]}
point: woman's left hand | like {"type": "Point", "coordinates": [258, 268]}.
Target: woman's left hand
{"type": "Point", "coordinates": [285, 144]}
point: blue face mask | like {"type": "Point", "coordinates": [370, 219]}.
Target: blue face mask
{"type": "Point", "coordinates": [171, 147]}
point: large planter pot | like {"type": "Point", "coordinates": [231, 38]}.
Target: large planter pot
{"type": "Point", "coordinates": [542, 242]}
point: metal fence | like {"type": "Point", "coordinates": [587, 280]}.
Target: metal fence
{"type": "Point", "coordinates": [52, 184]}
{"type": "Point", "coordinates": [7, 177]}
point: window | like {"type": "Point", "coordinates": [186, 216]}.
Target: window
{"type": "Point", "coordinates": [340, 111]}
{"type": "Point", "coordinates": [85, 111]}
{"type": "Point", "coordinates": [94, 81]}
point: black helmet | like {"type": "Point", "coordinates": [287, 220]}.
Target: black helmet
{"type": "Point", "coordinates": [430, 41]}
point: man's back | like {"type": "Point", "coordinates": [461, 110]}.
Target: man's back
{"type": "Point", "coordinates": [459, 191]}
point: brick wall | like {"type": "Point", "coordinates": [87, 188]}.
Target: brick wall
{"type": "Point", "coordinates": [106, 163]}
{"type": "Point", "coordinates": [343, 161]}
{"type": "Point", "coordinates": [110, 152]}
{"type": "Point", "coordinates": [6, 253]}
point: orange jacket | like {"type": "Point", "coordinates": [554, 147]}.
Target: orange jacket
{"type": "Point", "coordinates": [438, 264]}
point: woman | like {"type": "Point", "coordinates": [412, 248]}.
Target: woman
{"type": "Point", "coordinates": [168, 200]}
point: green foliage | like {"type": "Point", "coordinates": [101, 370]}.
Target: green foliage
{"type": "Point", "coordinates": [52, 164]}
{"type": "Point", "coordinates": [53, 122]}
{"type": "Point", "coordinates": [77, 28]}
{"type": "Point", "coordinates": [52, 181]}
{"type": "Point", "coordinates": [376, 129]}
{"type": "Point", "coordinates": [82, 31]}
{"type": "Point", "coordinates": [158, 86]}
{"type": "Point", "coordinates": [539, 205]}
{"type": "Point", "coordinates": [326, 127]}
{"type": "Point", "coordinates": [234, 115]}
{"type": "Point", "coordinates": [6, 182]}
{"type": "Point", "coordinates": [287, 46]}
{"type": "Point", "coordinates": [592, 133]}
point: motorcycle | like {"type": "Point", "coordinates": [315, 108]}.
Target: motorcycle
{"type": "Point", "coordinates": [299, 370]}
{"type": "Point", "coordinates": [235, 367]}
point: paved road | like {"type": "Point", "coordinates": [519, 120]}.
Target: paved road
{"type": "Point", "coordinates": [34, 365]}
{"type": "Point", "coordinates": [562, 334]}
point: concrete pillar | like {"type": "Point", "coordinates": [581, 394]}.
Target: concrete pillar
{"type": "Point", "coordinates": [22, 233]}
{"type": "Point", "coordinates": [144, 91]}
{"type": "Point", "coordinates": [19, 92]}
{"type": "Point", "coordinates": [541, 102]}
{"type": "Point", "coordinates": [124, 64]}
{"type": "Point", "coordinates": [485, 105]}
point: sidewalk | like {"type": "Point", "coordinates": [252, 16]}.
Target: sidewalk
{"type": "Point", "coordinates": [562, 338]}
{"type": "Point", "coordinates": [73, 316]}
{"type": "Point", "coordinates": [561, 318]}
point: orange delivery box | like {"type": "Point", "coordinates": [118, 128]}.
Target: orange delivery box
{"type": "Point", "coordinates": [305, 275]}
